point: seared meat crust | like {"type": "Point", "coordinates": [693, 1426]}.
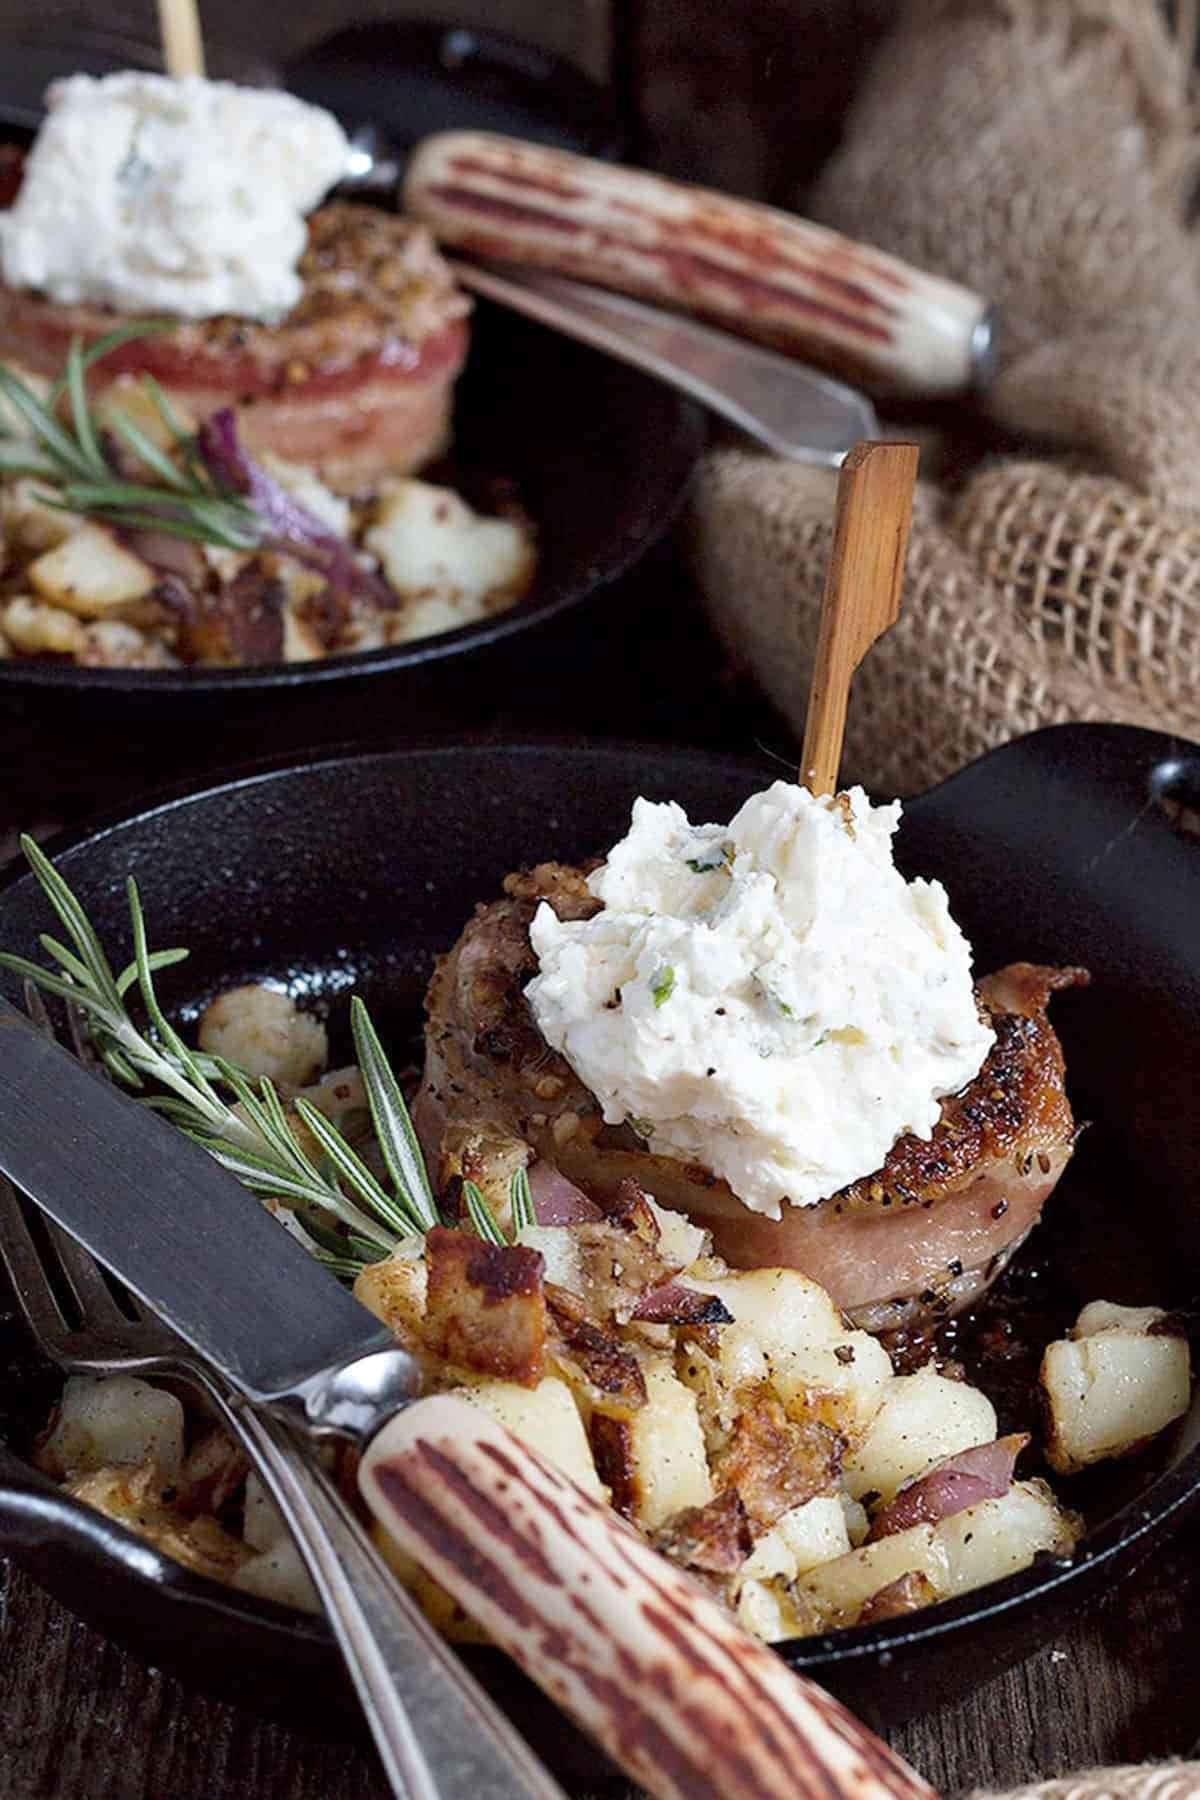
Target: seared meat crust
{"type": "Point", "coordinates": [922, 1236]}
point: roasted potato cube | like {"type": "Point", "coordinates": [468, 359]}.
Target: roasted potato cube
{"type": "Point", "coordinates": [107, 1421]}
{"type": "Point", "coordinates": [998, 1537]}
{"type": "Point", "coordinates": [394, 1289]}
{"type": "Point", "coordinates": [1112, 1384]}
{"type": "Point", "coordinates": [30, 523]}
{"type": "Point", "coordinates": [923, 1418]}
{"type": "Point", "coordinates": [444, 557]}
{"type": "Point", "coordinates": [91, 574]}
{"type": "Point", "coordinates": [278, 1573]}
{"type": "Point", "coordinates": [653, 1458]}
{"type": "Point", "coordinates": [816, 1365]}
{"type": "Point", "coordinates": [839, 1589]}
{"type": "Point", "coordinates": [34, 628]}
{"type": "Point", "coordinates": [263, 1031]}
{"type": "Point", "coordinates": [547, 1419]}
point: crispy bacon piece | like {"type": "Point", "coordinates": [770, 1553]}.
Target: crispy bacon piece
{"type": "Point", "coordinates": [593, 1353]}
{"type": "Point", "coordinates": [485, 1306]}
{"type": "Point", "coordinates": [714, 1539]}
{"type": "Point", "coordinates": [983, 1472]}
{"type": "Point", "coordinates": [919, 1238]}
{"type": "Point", "coordinates": [356, 382]}
{"type": "Point", "coordinates": [775, 1463]}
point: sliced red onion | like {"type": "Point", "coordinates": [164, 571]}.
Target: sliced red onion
{"type": "Point", "coordinates": [983, 1472]}
{"type": "Point", "coordinates": [557, 1201]}
{"type": "Point", "coordinates": [291, 526]}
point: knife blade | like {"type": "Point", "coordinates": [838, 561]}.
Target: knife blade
{"type": "Point", "coordinates": [611, 1630]}
{"type": "Point", "coordinates": [782, 403]}
{"type": "Point", "coordinates": [179, 1230]}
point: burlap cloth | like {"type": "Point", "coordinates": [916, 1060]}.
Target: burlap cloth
{"type": "Point", "coordinates": [1042, 151]}
{"type": "Point", "coordinates": [1159, 1781]}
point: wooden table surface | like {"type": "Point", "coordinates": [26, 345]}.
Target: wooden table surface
{"type": "Point", "coordinates": [83, 1721]}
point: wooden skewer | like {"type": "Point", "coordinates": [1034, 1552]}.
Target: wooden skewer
{"type": "Point", "coordinates": [862, 592]}
{"type": "Point", "coordinates": [182, 42]}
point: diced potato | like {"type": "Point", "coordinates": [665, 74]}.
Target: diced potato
{"type": "Point", "coordinates": [116, 644]}
{"type": "Point", "coordinates": [654, 1457]}
{"type": "Point", "coordinates": [279, 1574]}
{"type": "Point", "coordinates": [816, 1366]}
{"type": "Point", "coordinates": [431, 544]}
{"type": "Point", "coordinates": [1110, 1385]}
{"type": "Point", "coordinates": [262, 1521]}
{"type": "Point", "coordinates": [839, 1589]}
{"type": "Point", "coordinates": [559, 1246]}
{"type": "Point", "coordinates": [263, 1031]}
{"type": "Point", "coordinates": [680, 1242]}
{"type": "Point", "coordinates": [34, 628]}
{"type": "Point", "coordinates": [394, 1289]}
{"type": "Point", "coordinates": [301, 643]}
{"type": "Point", "coordinates": [545, 1418]}
{"type": "Point", "coordinates": [923, 1418]}
{"type": "Point", "coordinates": [342, 1098]}
{"type": "Point", "coordinates": [30, 524]}
{"type": "Point", "coordinates": [91, 574]}
{"type": "Point", "coordinates": [306, 486]}
{"type": "Point", "coordinates": [114, 1421]}
{"type": "Point", "coordinates": [1106, 1315]}
{"type": "Point", "coordinates": [135, 1497]}
{"type": "Point", "coordinates": [804, 1537]}
{"type": "Point", "coordinates": [998, 1537]}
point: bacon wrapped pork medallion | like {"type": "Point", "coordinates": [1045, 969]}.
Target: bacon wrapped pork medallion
{"type": "Point", "coordinates": [771, 1031]}
{"type": "Point", "coordinates": [233, 340]}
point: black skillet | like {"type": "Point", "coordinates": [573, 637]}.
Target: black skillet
{"type": "Point", "coordinates": [353, 872]}
{"type": "Point", "coordinates": [599, 455]}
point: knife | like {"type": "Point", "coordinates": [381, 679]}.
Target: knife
{"type": "Point", "coordinates": [635, 1650]}
{"type": "Point", "coordinates": [782, 403]}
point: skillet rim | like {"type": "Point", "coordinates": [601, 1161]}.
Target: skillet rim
{"type": "Point", "coordinates": [1140, 1521]}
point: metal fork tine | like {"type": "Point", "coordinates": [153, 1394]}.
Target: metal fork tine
{"type": "Point", "coordinates": [19, 1255]}
{"type": "Point", "coordinates": [97, 1306]}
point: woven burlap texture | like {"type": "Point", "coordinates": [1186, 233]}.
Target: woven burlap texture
{"type": "Point", "coordinates": [1134, 1781]}
{"type": "Point", "coordinates": [1043, 152]}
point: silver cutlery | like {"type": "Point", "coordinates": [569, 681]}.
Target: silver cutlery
{"type": "Point", "coordinates": [613, 1632]}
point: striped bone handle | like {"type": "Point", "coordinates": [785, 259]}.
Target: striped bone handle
{"type": "Point", "coordinates": [635, 1650]}
{"type": "Point", "coordinates": [760, 272]}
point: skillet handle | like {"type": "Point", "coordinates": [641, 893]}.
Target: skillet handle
{"type": "Point", "coordinates": [635, 1650]}
{"type": "Point", "coordinates": [438, 1734]}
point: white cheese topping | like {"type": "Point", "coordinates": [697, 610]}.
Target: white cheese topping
{"type": "Point", "coordinates": [186, 197]}
{"type": "Point", "coordinates": [770, 999]}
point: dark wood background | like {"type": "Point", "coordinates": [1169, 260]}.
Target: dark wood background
{"type": "Point", "coordinates": [749, 96]}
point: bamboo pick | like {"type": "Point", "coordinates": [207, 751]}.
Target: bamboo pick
{"type": "Point", "coordinates": [862, 592]}
{"type": "Point", "coordinates": [182, 42]}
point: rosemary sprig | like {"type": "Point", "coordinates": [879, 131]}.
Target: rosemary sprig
{"type": "Point", "coordinates": [346, 1216]}
{"type": "Point", "coordinates": [71, 456]}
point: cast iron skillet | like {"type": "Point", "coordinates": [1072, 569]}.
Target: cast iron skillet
{"type": "Point", "coordinates": [601, 457]}
{"type": "Point", "coordinates": [354, 871]}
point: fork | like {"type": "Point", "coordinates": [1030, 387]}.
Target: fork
{"type": "Point", "coordinates": [415, 1692]}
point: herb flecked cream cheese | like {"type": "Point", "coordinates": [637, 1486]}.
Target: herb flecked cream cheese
{"type": "Point", "coordinates": [770, 999]}
{"type": "Point", "coordinates": [188, 197]}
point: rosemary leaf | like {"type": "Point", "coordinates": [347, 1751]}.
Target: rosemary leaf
{"type": "Point", "coordinates": [480, 1215]}
{"type": "Point", "coordinates": [393, 1127]}
{"type": "Point", "coordinates": [520, 1201]}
